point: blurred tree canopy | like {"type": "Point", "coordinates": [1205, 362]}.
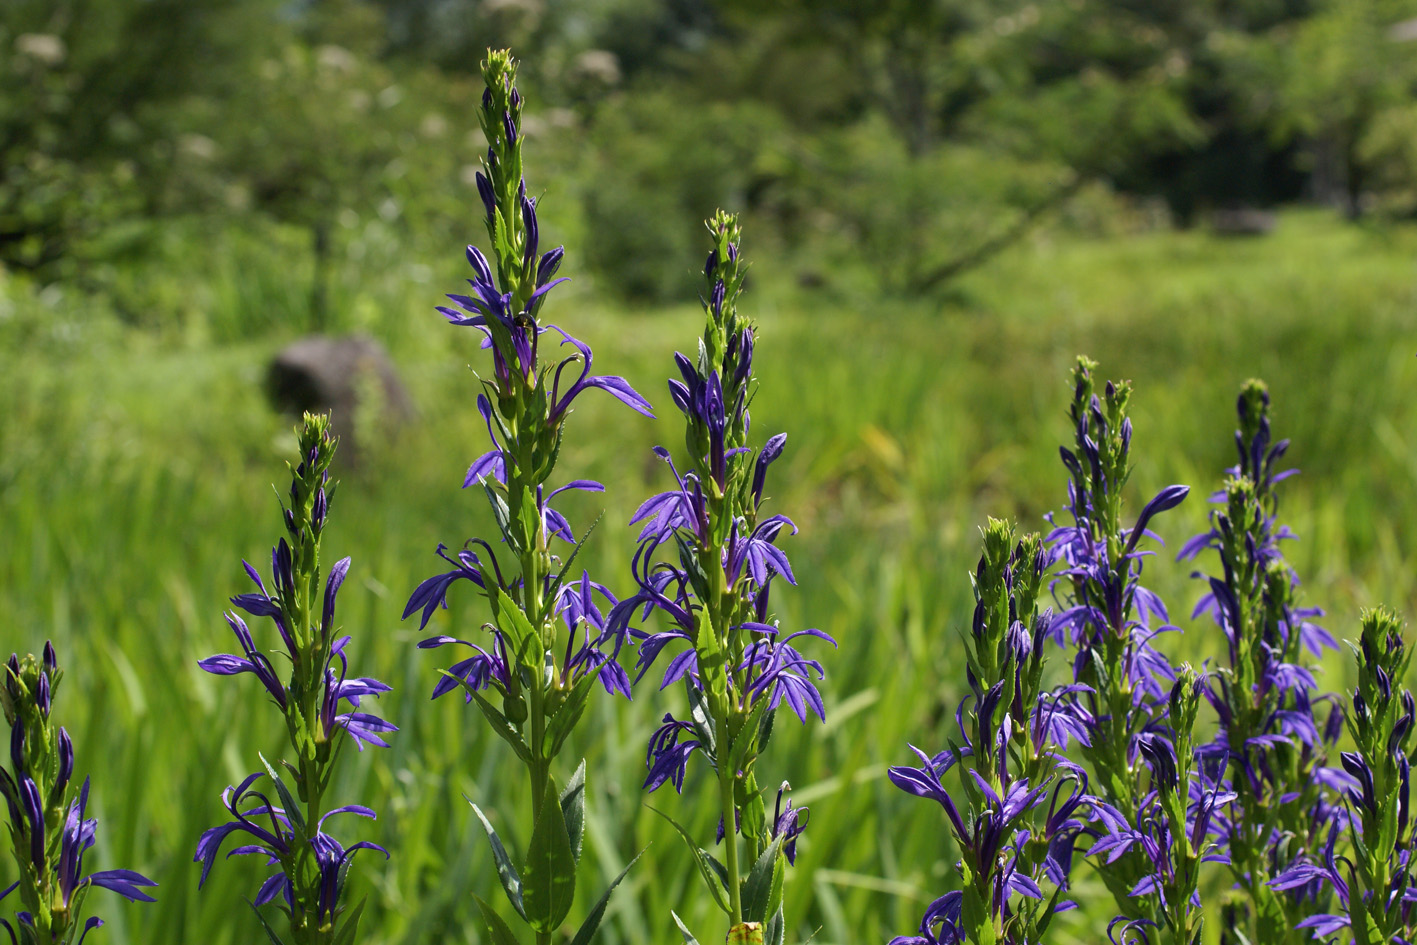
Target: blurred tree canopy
{"type": "Point", "coordinates": [905, 139]}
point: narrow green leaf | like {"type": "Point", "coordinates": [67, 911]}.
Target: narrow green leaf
{"type": "Point", "coordinates": [747, 736]}
{"type": "Point", "coordinates": [592, 921]}
{"type": "Point", "coordinates": [510, 619]}
{"type": "Point", "coordinates": [347, 932]}
{"type": "Point", "coordinates": [270, 932]}
{"type": "Point", "coordinates": [292, 806]}
{"type": "Point", "coordinates": [779, 878]}
{"type": "Point", "coordinates": [503, 516]}
{"type": "Point", "coordinates": [550, 884]}
{"type": "Point", "coordinates": [573, 809]}
{"type": "Point", "coordinates": [560, 579]}
{"type": "Point", "coordinates": [776, 929]}
{"type": "Point", "coordinates": [711, 878]}
{"type": "Point", "coordinates": [703, 721]}
{"type": "Point", "coordinates": [567, 715]}
{"type": "Point", "coordinates": [688, 936]}
{"type": "Point", "coordinates": [499, 722]}
{"type": "Point", "coordinates": [757, 890]}
{"type": "Point", "coordinates": [506, 872]}
{"type": "Point", "coordinates": [496, 926]}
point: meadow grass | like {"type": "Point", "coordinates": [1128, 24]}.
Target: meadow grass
{"type": "Point", "coordinates": [136, 471]}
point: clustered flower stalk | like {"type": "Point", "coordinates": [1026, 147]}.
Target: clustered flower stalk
{"type": "Point", "coordinates": [1373, 882]}
{"type": "Point", "coordinates": [1264, 700]}
{"type": "Point", "coordinates": [1016, 814]}
{"type": "Point", "coordinates": [1108, 617]}
{"type": "Point", "coordinates": [1170, 836]}
{"type": "Point", "coordinates": [312, 866]}
{"type": "Point", "coordinates": [47, 824]}
{"type": "Point", "coordinates": [713, 591]}
{"type": "Point", "coordinates": [548, 641]}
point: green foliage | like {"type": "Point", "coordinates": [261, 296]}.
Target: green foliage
{"type": "Point", "coordinates": [87, 91]}
{"type": "Point", "coordinates": [659, 165]}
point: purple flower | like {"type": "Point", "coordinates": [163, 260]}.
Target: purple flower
{"type": "Point", "coordinates": [475, 673]}
{"type": "Point", "coordinates": [588, 634]}
{"type": "Point", "coordinates": [788, 823]}
{"type": "Point", "coordinates": [512, 335]}
{"type": "Point", "coordinates": [275, 838]}
{"type": "Point", "coordinates": [668, 755]}
{"type": "Point", "coordinates": [253, 661]}
{"type": "Point", "coordinates": [940, 925]}
{"type": "Point", "coordinates": [616, 387]}
{"type": "Point", "coordinates": [433, 592]}
{"type": "Point", "coordinates": [361, 726]}
{"type": "Point", "coordinates": [76, 839]}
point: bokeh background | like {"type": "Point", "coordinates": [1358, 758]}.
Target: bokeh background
{"type": "Point", "coordinates": [945, 201]}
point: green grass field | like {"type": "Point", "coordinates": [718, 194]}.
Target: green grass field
{"type": "Point", "coordinates": [136, 472]}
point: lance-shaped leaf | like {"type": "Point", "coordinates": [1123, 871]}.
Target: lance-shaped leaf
{"type": "Point", "coordinates": [776, 929]}
{"type": "Point", "coordinates": [287, 799]}
{"type": "Point", "coordinates": [554, 590]}
{"type": "Point", "coordinates": [748, 735]}
{"type": "Point", "coordinates": [498, 721]}
{"type": "Point", "coordinates": [506, 872]}
{"type": "Point", "coordinates": [706, 863]}
{"type": "Point", "coordinates": [550, 884]}
{"type": "Point", "coordinates": [592, 921]}
{"type": "Point", "coordinates": [762, 892]}
{"type": "Point", "coordinates": [703, 721]}
{"type": "Point", "coordinates": [688, 936]}
{"type": "Point", "coordinates": [573, 809]}
{"type": "Point", "coordinates": [503, 516]}
{"type": "Point", "coordinates": [348, 931]}
{"type": "Point", "coordinates": [510, 619]}
{"type": "Point", "coordinates": [567, 715]}
{"type": "Point", "coordinates": [270, 932]}
{"type": "Point", "coordinates": [496, 926]}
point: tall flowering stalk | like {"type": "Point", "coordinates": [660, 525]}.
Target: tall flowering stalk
{"type": "Point", "coordinates": [1171, 834]}
{"type": "Point", "coordinates": [47, 824]}
{"type": "Point", "coordinates": [1264, 699]}
{"type": "Point", "coordinates": [319, 701]}
{"type": "Point", "coordinates": [548, 644]}
{"type": "Point", "coordinates": [1374, 883]}
{"type": "Point", "coordinates": [1019, 806]}
{"type": "Point", "coordinates": [1110, 619]}
{"type": "Point", "coordinates": [707, 561]}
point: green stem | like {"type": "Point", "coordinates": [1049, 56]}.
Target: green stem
{"type": "Point", "coordinates": [540, 767]}
{"type": "Point", "coordinates": [730, 837]}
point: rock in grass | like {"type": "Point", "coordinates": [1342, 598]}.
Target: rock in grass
{"type": "Point", "coordinates": [352, 378]}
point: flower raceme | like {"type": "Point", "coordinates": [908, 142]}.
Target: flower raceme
{"type": "Point", "coordinates": [1112, 620]}
{"type": "Point", "coordinates": [550, 641]}
{"type": "Point", "coordinates": [1269, 735]}
{"type": "Point", "coordinates": [707, 560]}
{"type": "Point", "coordinates": [322, 706]}
{"type": "Point", "coordinates": [48, 824]}
{"type": "Point", "coordinates": [1020, 806]}
{"type": "Point", "coordinates": [1375, 892]}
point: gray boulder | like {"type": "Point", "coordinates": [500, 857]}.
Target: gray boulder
{"type": "Point", "coordinates": [343, 376]}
